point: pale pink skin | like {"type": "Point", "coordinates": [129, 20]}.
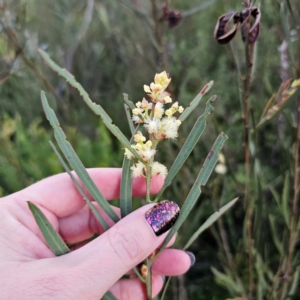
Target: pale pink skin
{"type": "Point", "coordinates": [29, 270]}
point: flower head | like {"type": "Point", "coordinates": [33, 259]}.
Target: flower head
{"type": "Point", "coordinates": [162, 79]}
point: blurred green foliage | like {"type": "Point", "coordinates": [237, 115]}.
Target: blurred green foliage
{"type": "Point", "coordinates": [113, 47]}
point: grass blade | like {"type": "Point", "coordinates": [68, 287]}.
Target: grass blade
{"type": "Point", "coordinates": [195, 192]}
{"type": "Point", "coordinates": [75, 162]}
{"type": "Point", "coordinates": [126, 188]}
{"type": "Point", "coordinates": [79, 188]}
{"type": "Point", "coordinates": [285, 200]}
{"type": "Point", "coordinates": [188, 146]}
{"type": "Point", "coordinates": [196, 101]}
{"type": "Point", "coordinates": [53, 239]}
{"type": "Point", "coordinates": [96, 108]}
{"type": "Point", "coordinates": [212, 219]}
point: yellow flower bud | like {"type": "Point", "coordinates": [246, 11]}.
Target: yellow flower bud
{"type": "Point", "coordinates": [180, 109]}
{"type": "Point", "coordinates": [136, 111]}
{"type": "Point", "coordinates": [147, 89]}
{"type": "Point", "coordinates": [144, 103]}
{"type": "Point", "coordinates": [175, 105]}
{"type": "Point", "coordinates": [169, 112]}
{"type": "Point", "coordinates": [168, 99]}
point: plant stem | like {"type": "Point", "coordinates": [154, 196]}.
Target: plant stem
{"type": "Point", "coordinates": [148, 200]}
{"type": "Point", "coordinates": [248, 205]}
{"type": "Point", "coordinates": [149, 279]}
{"type": "Point", "coordinates": [165, 288]}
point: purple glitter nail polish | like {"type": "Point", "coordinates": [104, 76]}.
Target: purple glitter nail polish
{"type": "Point", "coordinates": [162, 216]}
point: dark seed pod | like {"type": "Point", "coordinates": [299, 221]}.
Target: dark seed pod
{"type": "Point", "coordinates": [221, 33]}
{"type": "Point", "coordinates": [173, 17]}
{"type": "Point", "coordinates": [248, 28]}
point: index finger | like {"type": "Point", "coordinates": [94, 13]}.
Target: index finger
{"type": "Point", "coordinates": [59, 195]}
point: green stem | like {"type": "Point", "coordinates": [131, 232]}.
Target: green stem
{"type": "Point", "coordinates": [165, 288]}
{"type": "Point", "coordinates": [148, 200]}
{"type": "Point", "coordinates": [138, 274]}
{"type": "Point", "coordinates": [149, 279]}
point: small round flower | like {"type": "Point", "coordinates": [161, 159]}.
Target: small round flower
{"type": "Point", "coordinates": [158, 169]}
{"type": "Point", "coordinates": [137, 170]}
{"type": "Point", "coordinates": [138, 104]}
{"type": "Point", "coordinates": [128, 154]}
{"type": "Point", "coordinates": [178, 122]}
{"type": "Point", "coordinates": [137, 120]}
{"type": "Point", "coordinates": [170, 127]}
{"type": "Point", "coordinates": [147, 154]}
{"type": "Point", "coordinates": [159, 110]}
{"type": "Point", "coordinates": [152, 125]}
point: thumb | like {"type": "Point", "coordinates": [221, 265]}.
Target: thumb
{"type": "Point", "coordinates": [104, 260]}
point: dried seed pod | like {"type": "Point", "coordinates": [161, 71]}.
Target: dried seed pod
{"type": "Point", "coordinates": [144, 271]}
{"type": "Point", "coordinates": [221, 33]}
{"type": "Point", "coordinates": [173, 17]}
{"type": "Point", "coordinates": [248, 28]}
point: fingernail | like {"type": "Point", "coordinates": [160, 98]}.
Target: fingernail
{"type": "Point", "coordinates": [162, 216]}
{"type": "Point", "coordinates": [192, 257]}
{"type": "Point", "coordinates": [163, 278]}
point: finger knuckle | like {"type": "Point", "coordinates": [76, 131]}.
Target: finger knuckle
{"type": "Point", "coordinates": [127, 245]}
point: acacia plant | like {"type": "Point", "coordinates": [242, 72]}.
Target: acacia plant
{"type": "Point", "coordinates": [151, 122]}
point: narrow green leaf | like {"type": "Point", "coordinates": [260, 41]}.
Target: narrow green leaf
{"type": "Point", "coordinates": [126, 188]}
{"type": "Point", "coordinates": [74, 160]}
{"type": "Point", "coordinates": [275, 238]}
{"type": "Point", "coordinates": [53, 239]}
{"type": "Point", "coordinates": [96, 108]}
{"type": "Point", "coordinates": [128, 102]}
{"type": "Point", "coordinates": [285, 199]}
{"type": "Point", "coordinates": [195, 192]}
{"type": "Point", "coordinates": [258, 209]}
{"type": "Point", "coordinates": [196, 101]}
{"type": "Point", "coordinates": [212, 219]}
{"type": "Point", "coordinates": [295, 283]}
{"type": "Point", "coordinates": [128, 115]}
{"type": "Point", "coordinates": [227, 282]}
{"type": "Point", "coordinates": [275, 195]}
{"type": "Point", "coordinates": [188, 146]}
{"type": "Point", "coordinates": [126, 184]}
{"type": "Point", "coordinates": [108, 296]}
{"type": "Point", "coordinates": [79, 188]}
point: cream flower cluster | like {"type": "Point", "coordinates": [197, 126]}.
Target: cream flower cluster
{"type": "Point", "coordinates": [159, 122]}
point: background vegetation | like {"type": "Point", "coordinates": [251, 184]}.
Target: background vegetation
{"type": "Point", "coordinates": [113, 47]}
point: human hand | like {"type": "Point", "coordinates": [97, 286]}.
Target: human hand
{"type": "Point", "coordinates": [29, 269]}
